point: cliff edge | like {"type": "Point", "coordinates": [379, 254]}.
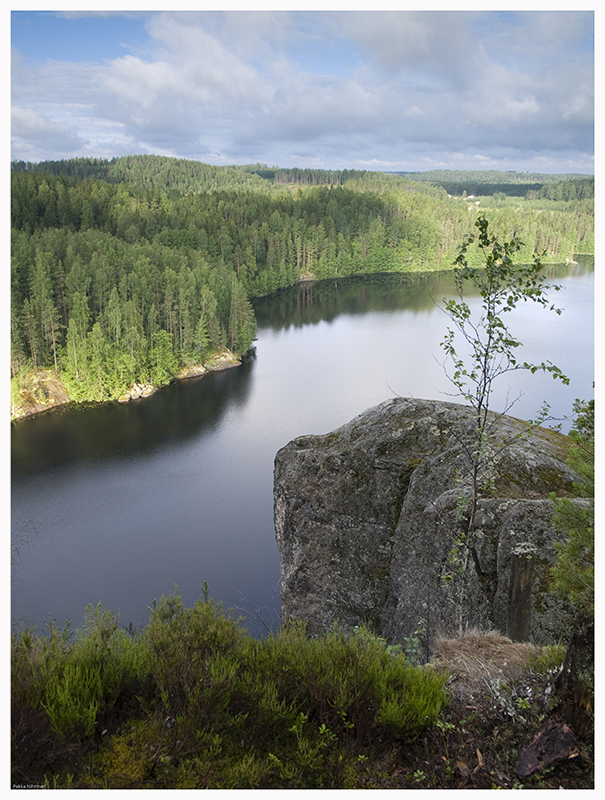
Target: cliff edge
{"type": "Point", "coordinates": [367, 519]}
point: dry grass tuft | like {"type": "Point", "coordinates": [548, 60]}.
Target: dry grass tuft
{"type": "Point", "coordinates": [476, 659]}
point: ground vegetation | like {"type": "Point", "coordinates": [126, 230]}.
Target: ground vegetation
{"type": "Point", "coordinates": [191, 701]}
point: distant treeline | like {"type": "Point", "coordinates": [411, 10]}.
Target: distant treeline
{"type": "Point", "coordinates": [165, 173]}
{"type": "Point", "coordinates": [531, 186]}
{"type": "Point", "coordinates": [491, 176]}
{"type": "Point", "coordinates": [131, 276]}
{"type": "Point", "coordinates": [154, 172]}
{"type": "Point", "coordinates": [184, 176]}
{"type": "Point", "coordinates": [567, 190]}
{"type": "Point", "coordinates": [306, 176]}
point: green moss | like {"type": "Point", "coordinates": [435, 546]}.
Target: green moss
{"type": "Point", "coordinates": [549, 659]}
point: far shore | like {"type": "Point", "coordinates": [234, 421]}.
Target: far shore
{"type": "Point", "coordinates": [50, 385]}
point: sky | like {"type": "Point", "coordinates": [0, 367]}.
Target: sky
{"type": "Point", "coordinates": [392, 90]}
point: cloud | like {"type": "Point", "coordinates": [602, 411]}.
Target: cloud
{"type": "Point", "coordinates": [536, 38]}
{"type": "Point", "coordinates": [415, 42]}
{"type": "Point", "coordinates": [318, 111]}
{"type": "Point", "coordinates": [338, 88]}
{"type": "Point", "coordinates": [38, 134]}
{"type": "Point", "coordinates": [207, 70]}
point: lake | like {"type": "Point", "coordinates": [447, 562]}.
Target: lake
{"type": "Point", "coordinates": [120, 503]}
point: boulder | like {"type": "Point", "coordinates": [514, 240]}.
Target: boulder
{"type": "Point", "coordinates": [369, 522]}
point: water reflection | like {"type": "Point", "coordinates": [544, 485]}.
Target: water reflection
{"type": "Point", "coordinates": [81, 432]}
{"type": "Point", "coordinates": [318, 301]}
{"type": "Point", "coordinates": [86, 432]}
{"type": "Point", "coordinates": [326, 300]}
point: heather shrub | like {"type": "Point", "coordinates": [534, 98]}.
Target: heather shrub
{"type": "Point", "coordinates": [192, 701]}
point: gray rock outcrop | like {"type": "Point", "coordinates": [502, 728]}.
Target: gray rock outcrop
{"type": "Point", "coordinates": [367, 520]}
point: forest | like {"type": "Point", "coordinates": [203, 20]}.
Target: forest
{"type": "Point", "coordinates": [131, 270]}
{"type": "Point", "coordinates": [529, 185]}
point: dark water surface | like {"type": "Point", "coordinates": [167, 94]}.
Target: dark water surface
{"type": "Point", "coordinates": [118, 503]}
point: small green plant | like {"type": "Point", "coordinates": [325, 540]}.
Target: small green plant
{"type": "Point", "coordinates": [326, 734]}
{"type": "Point", "coordinates": [371, 638]}
{"type": "Point", "coordinates": [415, 645]}
{"type": "Point", "coordinates": [73, 699]}
{"type": "Point", "coordinates": [166, 762]}
{"type": "Point", "coordinates": [342, 715]}
{"type": "Point", "coordinates": [548, 661]}
{"type": "Point", "coordinates": [298, 726]}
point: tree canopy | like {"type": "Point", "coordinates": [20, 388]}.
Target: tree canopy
{"type": "Point", "coordinates": [107, 255]}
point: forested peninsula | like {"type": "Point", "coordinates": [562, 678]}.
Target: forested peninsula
{"type": "Point", "coordinates": [129, 273]}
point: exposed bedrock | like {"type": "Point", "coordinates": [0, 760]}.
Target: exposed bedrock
{"type": "Point", "coordinates": [367, 519]}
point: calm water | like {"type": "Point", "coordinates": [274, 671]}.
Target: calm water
{"type": "Point", "coordinates": [117, 504]}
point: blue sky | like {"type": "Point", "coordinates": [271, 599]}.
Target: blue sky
{"type": "Point", "coordinates": [390, 90]}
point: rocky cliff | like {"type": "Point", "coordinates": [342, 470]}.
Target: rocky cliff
{"type": "Point", "coordinates": [367, 519]}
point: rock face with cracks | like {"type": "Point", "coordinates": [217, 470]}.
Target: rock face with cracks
{"type": "Point", "coordinates": [367, 519]}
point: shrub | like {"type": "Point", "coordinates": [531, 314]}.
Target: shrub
{"type": "Point", "coordinates": [220, 709]}
{"type": "Point", "coordinates": [573, 574]}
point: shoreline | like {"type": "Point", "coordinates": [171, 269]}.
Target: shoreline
{"type": "Point", "coordinates": [310, 277]}
{"type": "Point", "coordinates": [58, 398]}
{"type": "Point", "coordinates": [220, 361]}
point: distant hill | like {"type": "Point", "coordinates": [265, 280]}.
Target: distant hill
{"type": "Point", "coordinates": [492, 176]}
{"type": "Point", "coordinates": [185, 176]}
{"type": "Point", "coordinates": [148, 172]}
{"type": "Point", "coordinates": [485, 183]}
{"type": "Point", "coordinates": [128, 271]}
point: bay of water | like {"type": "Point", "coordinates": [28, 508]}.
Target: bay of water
{"type": "Point", "coordinates": [119, 504]}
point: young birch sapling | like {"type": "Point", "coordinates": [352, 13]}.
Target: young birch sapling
{"type": "Point", "coordinates": [492, 348]}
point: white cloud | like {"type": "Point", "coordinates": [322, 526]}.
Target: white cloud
{"type": "Point", "coordinates": [416, 43]}
{"type": "Point", "coordinates": [37, 134]}
{"type": "Point", "coordinates": [338, 87]}
{"type": "Point", "coordinates": [207, 70]}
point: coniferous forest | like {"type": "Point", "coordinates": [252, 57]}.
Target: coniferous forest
{"type": "Point", "coordinates": [135, 269]}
